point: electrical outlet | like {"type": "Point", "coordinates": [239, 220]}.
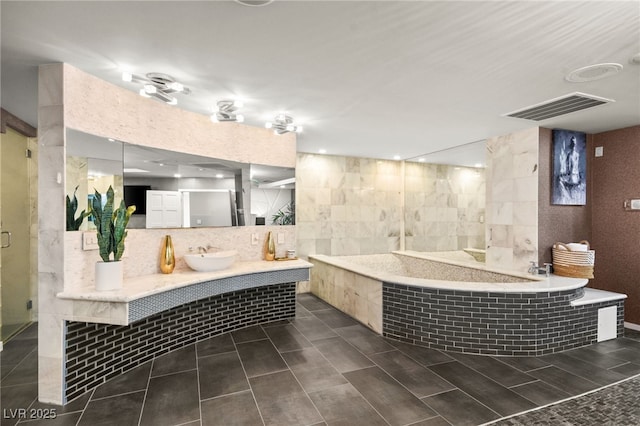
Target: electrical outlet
{"type": "Point", "coordinates": [89, 241]}
{"type": "Point", "coordinates": [599, 151]}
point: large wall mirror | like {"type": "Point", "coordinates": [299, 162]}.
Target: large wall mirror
{"type": "Point", "coordinates": [445, 202]}
{"type": "Point", "coordinates": [172, 189]}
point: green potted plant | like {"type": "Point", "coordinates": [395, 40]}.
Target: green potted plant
{"type": "Point", "coordinates": [73, 223]}
{"type": "Point", "coordinates": [111, 227]}
{"type": "Point", "coordinates": [285, 216]}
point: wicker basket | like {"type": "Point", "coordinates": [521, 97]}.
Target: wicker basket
{"type": "Point", "coordinates": [570, 263]}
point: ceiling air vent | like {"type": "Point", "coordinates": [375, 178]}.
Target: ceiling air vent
{"type": "Point", "coordinates": [558, 106]}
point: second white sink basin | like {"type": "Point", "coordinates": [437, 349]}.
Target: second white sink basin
{"type": "Point", "coordinates": [205, 262]}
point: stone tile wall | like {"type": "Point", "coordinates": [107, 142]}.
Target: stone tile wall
{"type": "Point", "coordinates": [512, 200]}
{"type": "Point", "coordinates": [444, 207]}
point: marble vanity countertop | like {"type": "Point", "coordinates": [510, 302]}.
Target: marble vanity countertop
{"type": "Point", "coordinates": [147, 285]}
{"type": "Point", "coordinates": [529, 284]}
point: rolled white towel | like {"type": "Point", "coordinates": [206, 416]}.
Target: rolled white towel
{"type": "Point", "coordinates": [577, 247]}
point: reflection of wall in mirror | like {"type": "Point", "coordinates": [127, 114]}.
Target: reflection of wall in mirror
{"type": "Point", "coordinates": [267, 202]}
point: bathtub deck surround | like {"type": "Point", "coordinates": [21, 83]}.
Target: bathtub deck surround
{"type": "Point", "coordinates": [460, 307]}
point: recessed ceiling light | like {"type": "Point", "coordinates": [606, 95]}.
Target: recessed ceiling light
{"type": "Point", "coordinates": [593, 72]}
{"type": "Point", "coordinates": [322, 151]}
{"type": "Point", "coordinates": [254, 3]}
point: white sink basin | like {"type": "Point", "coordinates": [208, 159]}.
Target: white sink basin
{"type": "Point", "coordinates": [205, 262]}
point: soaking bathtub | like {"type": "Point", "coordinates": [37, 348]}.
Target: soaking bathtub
{"type": "Point", "coordinates": [461, 307]}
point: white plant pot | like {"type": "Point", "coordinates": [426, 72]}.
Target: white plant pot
{"type": "Point", "coordinates": [109, 275]}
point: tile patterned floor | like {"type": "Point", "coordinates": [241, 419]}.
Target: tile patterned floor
{"type": "Point", "coordinates": [324, 368]}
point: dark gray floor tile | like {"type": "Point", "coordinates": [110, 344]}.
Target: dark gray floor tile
{"type": "Point", "coordinates": [344, 405]}
{"type": "Point", "coordinates": [334, 318]}
{"type": "Point", "coordinates": [171, 400]}
{"type": "Point", "coordinates": [23, 373]}
{"type": "Point", "coordinates": [632, 334]}
{"type": "Point", "coordinates": [595, 358]}
{"type": "Point", "coordinates": [235, 409]}
{"type": "Point", "coordinates": [287, 338]}
{"type": "Point", "coordinates": [495, 396]}
{"type": "Point", "coordinates": [302, 312]}
{"type": "Point", "coordinates": [215, 345]}
{"type": "Point", "coordinates": [134, 380]}
{"type": "Point", "coordinates": [434, 421]}
{"type": "Point", "coordinates": [221, 374]}
{"type": "Point", "coordinates": [615, 344]}
{"type": "Point", "coordinates": [30, 332]}
{"type": "Point", "coordinates": [123, 410]}
{"type": "Point", "coordinates": [15, 398]}
{"type": "Point", "coordinates": [313, 329]}
{"type": "Point", "coordinates": [77, 404]}
{"type": "Point", "coordinates": [525, 364]}
{"type": "Point", "coordinates": [282, 401]}
{"type": "Point", "coordinates": [70, 419]}
{"type": "Point", "coordinates": [364, 339]}
{"type": "Point", "coordinates": [460, 409]}
{"type": "Point", "coordinates": [420, 354]}
{"type": "Point", "coordinates": [626, 354]}
{"type": "Point", "coordinates": [584, 369]}
{"type": "Point", "coordinates": [415, 377]}
{"type": "Point", "coordinates": [505, 375]}
{"type": "Point", "coordinates": [248, 334]}
{"type": "Point", "coordinates": [312, 370]}
{"type": "Point", "coordinates": [311, 302]}
{"type": "Point", "coordinates": [179, 360]}
{"type": "Point", "coordinates": [563, 380]}
{"type": "Point", "coordinates": [342, 355]}
{"type": "Point", "coordinates": [540, 393]}
{"type": "Point", "coordinates": [629, 369]}
{"type": "Point", "coordinates": [393, 402]}
{"type": "Point", "coordinates": [260, 357]}
{"type": "Point", "coordinates": [17, 350]}
{"type": "Point", "coordinates": [6, 369]}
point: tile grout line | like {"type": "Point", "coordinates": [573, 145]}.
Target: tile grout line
{"type": "Point", "coordinates": [244, 370]}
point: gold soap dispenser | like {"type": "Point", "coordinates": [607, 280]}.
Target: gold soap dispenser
{"type": "Point", "coordinates": [269, 247]}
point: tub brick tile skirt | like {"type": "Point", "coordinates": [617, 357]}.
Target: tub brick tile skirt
{"type": "Point", "coordinates": [95, 353]}
{"type": "Point", "coordinates": [510, 324]}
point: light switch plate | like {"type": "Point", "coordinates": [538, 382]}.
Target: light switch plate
{"type": "Point", "coordinates": [599, 151]}
{"type": "Point", "coordinates": [254, 239]}
{"type": "Point", "coordinates": [89, 241]}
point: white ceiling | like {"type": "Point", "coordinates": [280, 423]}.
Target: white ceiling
{"type": "Point", "coordinates": [373, 79]}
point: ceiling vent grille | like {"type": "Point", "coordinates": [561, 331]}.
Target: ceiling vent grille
{"type": "Point", "coordinates": [563, 105]}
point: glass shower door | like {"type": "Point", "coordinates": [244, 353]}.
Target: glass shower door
{"type": "Point", "coordinates": [15, 233]}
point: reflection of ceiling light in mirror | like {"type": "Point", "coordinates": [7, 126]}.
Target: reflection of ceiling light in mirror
{"type": "Point", "coordinates": [177, 175]}
{"type": "Point", "coordinates": [134, 170]}
{"type": "Point", "coordinates": [396, 157]}
{"type": "Point", "coordinates": [111, 140]}
{"type": "Point", "coordinates": [421, 160]}
{"type": "Point", "coordinates": [219, 176]}
{"type": "Point", "coordinates": [478, 165]}
{"type": "Point", "coordinates": [322, 151]}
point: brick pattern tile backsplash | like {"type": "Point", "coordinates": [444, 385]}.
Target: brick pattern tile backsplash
{"type": "Point", "coordinates": [513, 324]}
{"type": "Point", "coordinates": [96, 353]}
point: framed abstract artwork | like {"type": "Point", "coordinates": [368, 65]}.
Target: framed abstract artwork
{"type": "Point", "coordinates": [569, 168]}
